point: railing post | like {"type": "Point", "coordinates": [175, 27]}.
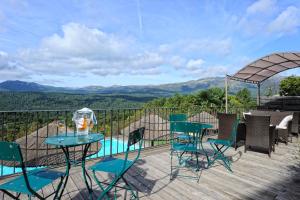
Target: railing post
{"type": "Point", "coordinates": [226, 94]}
{"type": "Point", "coordinates": [111, 130]}
{"type": "Point", "coordinates": [258, 94]}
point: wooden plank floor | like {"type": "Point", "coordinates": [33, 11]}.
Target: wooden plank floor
{"type": "Point", "coordinates": [255, 176]}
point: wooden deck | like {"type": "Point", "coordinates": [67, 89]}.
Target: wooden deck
{"type": "Point", "coordinates": [255, 176]}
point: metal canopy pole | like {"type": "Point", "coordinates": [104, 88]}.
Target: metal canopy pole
{"type": "Point", "coordinates": [258, 94]}
{"type": "Point", "coordinates": [226, 93]}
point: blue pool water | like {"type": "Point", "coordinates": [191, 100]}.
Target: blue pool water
{"type": "Point", "coordinates": [117, 147]}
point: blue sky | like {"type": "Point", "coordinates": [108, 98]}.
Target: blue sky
{"type": "Point", "coordinates": [132, 42]}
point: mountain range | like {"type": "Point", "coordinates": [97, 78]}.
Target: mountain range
{"type": "Point", "coordinates": [157, 90]}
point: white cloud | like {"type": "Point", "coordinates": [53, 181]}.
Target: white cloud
{"type": "Point", "coordinates": [198, 68]}
{"type": "Point", "coordinates": [82, 50]}
{"type": "Point", "coordinates": [177, 62]}
{"type": "Point", "coordinates": [286, 22]}
{"type": "Point", "coordinates": [261, 6]}
{"type": "Point", "coordinates": [206, 46]}
{"type": "Point", "coordinates": [209, 46]}
{"type": "Point", "coordinates": [79, 40]}
{"type": "Point", "coordinates": [194, 65]}
{"type": "Point", "coordinates": [206, 71]}
{"type": "Point", "coordinates": [10, 68]}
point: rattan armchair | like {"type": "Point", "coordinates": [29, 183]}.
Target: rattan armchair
{"type": "Point", "coordinates": [225, 125]}
{"type": "Point", "coordinates": [295, 123]}
{"type": "Point", "coordinates": [259, 134]}
{"type": "Point", "coordinates": [282, 134]}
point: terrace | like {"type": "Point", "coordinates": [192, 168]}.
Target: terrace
{"type": "Point", "coordinates": [255, 175]}
{"type": "Point", "coordinates": [252, 175]}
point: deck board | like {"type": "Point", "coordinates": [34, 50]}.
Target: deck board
{"type": "Point", "coordinates": [255, 176]}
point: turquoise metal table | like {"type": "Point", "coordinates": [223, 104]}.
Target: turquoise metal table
{"type": "Point", "coordinates": [66, 141]}
{"type": "Point", "coordinates": [187, 143]}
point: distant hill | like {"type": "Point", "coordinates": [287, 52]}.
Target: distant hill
{"type": "Point", "coordinates": [156, 90]}
{"type": "Point", "coordinates": [21, 86]}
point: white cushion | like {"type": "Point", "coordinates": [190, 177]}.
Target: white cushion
{"type": "Point", "coordinates": [246, 113]}
{"type": "Point", "coordinates": [284, 123]}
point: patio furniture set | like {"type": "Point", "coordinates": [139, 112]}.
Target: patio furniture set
{"type": "Point", "coordinates": [258, 130]}
{"type": "Point", "coordinates": [29, 183]}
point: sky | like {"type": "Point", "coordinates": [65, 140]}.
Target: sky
{"type": "Point", "coordinates": [77, 43]}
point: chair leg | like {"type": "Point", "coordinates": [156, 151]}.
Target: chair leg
{"type": "Point", "coordinates": [104, 191]}
{"type": "Point", "coordinates": [197, 162]}
{"type": "Point", "coordinates": [219, 155]}
{"type": "Point", "coordinates": [130, 188]}
{"type": "Point", "coordinates": [171, 156]}
{"type": "Point", "coordinates": [9, 194]}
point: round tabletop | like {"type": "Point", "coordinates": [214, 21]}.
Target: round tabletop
{"type": "Point", "coordinates": [203, 125]}
{"type": "Point", "coordinates": [72, 140]}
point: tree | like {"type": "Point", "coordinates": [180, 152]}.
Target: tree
{"type": "Point", "coordinates": [244, 96]}
{"type": "Point", "coordinates": [211, 97]}
{"type": "Point", "coordinates": [243, 100]}
{"type": "Point", "coordinates": [290, 86]}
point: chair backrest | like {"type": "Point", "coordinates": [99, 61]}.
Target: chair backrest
{"type": "Point", "coordinates": [226, 125]}
{"type": "Point", "coordinates": [135, 137]}
{"type": "Point", "coordinates": [276, 116]}
{"type": "Point", "coordinates": [10, 151]}
{"type": "Point", "coordinates": [178, 117]}
{"type": "Point", "coordinates": [234, 130]}
{"type": "Point", "coordinates": [192, 128]}
{"type": "Point", "coordinates": [258, 131]}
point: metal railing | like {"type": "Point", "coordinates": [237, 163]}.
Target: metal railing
{"type": "Point", "coordinates": [31, 128]}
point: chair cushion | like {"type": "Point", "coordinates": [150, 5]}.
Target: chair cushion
{"type": "Point", "coordinates": [284, 123]}
{"type": "Point", "coordinates": [246, 113]}
{"type": "Point", "coordinates": [111, 165]}
{"type": "Point", "coordinates": [37, 179]}
{"type": "Point", "coordinates": [183, 136]}
{"type": "Point", "coordinates": [219, 142]}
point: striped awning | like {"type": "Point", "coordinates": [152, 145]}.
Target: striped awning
{"type": "Point", "coordinates": [267, 66]}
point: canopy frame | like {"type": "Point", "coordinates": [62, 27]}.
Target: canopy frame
{"type": "Point", "coordinates": [262, 69]}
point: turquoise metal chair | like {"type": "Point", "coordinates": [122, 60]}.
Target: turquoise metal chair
{"type": "Point", "coordinates": [184, 151]}
{"type": "Point", "coordinates": [220, 146]}
{"type": "Point", "coordinates": [30, 182]}
{"type": "Point", "coordinates": [119, 167]}
{"type": "Point", "coordinates": [179, 118]}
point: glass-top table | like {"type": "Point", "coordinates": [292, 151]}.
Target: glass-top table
{"type": "Point", "coordinates": [67, 140]}
{"type": "Point", "coordinates": [71, 140]}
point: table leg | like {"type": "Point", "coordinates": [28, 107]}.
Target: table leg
{"type": "Point", "coordinates": [68, 167]}
{"type": "Point", "coordinates": [84, 171]}
{"type": "Point", "coordinates": [202, 148]}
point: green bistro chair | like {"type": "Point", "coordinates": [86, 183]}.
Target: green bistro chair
{"type": "Point", "coordinates": [119, 167]}
{"type": "Point", "coordinates": [184, 151]}
{"type": "Point", "coordinates": [30, 182]}
{"type": "Point", "coordinates": [179, 118]}
{"type": "Point", "coordinates": [220, 146]}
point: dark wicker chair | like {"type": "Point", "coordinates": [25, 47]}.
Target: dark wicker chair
{"type": "Point", "coordinates": [276, 116]}
{"type": "Point", "coordinates": [282, 134]}
{"type": "Point", "coordinates": [295, 123]}
{"type": "Point", "coordinates": [259, 134]}
{"type": "Point", "coordinates": [226, 122]}
{"type": "Point", "coordinates": [225, 125]}
{"type": "Point", "coordinates": [241, 135]}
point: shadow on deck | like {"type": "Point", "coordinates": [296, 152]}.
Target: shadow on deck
{"type": "Point", "coordinates": [255, 176]}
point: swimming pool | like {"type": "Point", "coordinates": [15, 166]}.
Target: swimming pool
{"type": "Point", "coordinates": [118, 146]}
